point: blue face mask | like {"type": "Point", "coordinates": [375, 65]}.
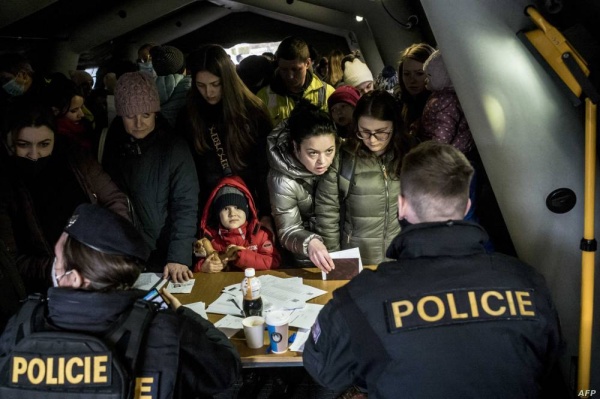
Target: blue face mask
{"type": "Point", "coordinates": [13, 88]}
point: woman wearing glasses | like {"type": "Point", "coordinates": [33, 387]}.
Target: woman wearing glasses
{"type": "Point", "coordinates": [356, 203]}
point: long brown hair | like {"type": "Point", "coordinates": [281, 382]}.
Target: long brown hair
{"type": "Point", "coordinates": [243, 112]}
{"type": "Point", "coordinates": [335, 72]}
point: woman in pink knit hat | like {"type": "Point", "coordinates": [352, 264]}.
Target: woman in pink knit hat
{"type": "Point", "coordinates": [155, 168]}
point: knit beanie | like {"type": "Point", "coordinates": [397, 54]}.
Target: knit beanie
{"type": "Point", "coordinates": [435, 68]}
{"type": "Point", "coordinates": [356, 72]}
{"type": "Point", "coordinates": [167, 60]}
{"type": "Point", "coordinates": [229, 195]}
{"type": "Point", "coordinates": [343, 94]}
{"type": "Point", "coordinates": [136, 94]}
{"type": "Point", "coordinates": [387, 79]}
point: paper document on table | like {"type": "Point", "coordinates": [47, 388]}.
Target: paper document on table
{"type": "Point", "coordinates": [226, 304]}
{"type": "Point", "coordinates": [230, 321]}
{"type": "Point", "coordinates": [348, 264]}
{"type": "Point", "coordinates": [181, 288]}
{"type": "Point", "coordinates": [301, 337]}
{"type": "Point", "coordinates": [305, 318]}
{"type": "Point", "coordinates": [146, 281]}
{"type": "Point", "coordinates": [198, 307]}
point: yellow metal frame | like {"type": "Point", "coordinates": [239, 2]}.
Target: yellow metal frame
{"type": "Point", "coordinates": [556, 51]}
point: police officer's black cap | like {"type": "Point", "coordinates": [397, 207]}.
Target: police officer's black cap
{"type": "Point", "coordinates": [105, 231]}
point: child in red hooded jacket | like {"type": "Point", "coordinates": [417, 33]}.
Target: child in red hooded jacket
{"type": "Point", "coordinates": [230, 219]}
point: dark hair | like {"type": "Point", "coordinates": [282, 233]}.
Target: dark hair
{"type": "Point", "coordinates": [292, 48]}
{"type": "Point", "coordinates": [59, 93]}
{"type": "Point", "coordinates": [29, 113]}
{"type": "Point", "coordinates": [105, 272]}
{"type": "Point", "coordinates": [307, 120]}
{"type": "Point", "coordinates": [435, 178]}
{"type": "Point", "coordinates": [243, 112]}
{"type": "Point", "coordinates": [381, 105]}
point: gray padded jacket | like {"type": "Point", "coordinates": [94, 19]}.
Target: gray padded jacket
{"type": "Point", "coordinates": [291, 191]}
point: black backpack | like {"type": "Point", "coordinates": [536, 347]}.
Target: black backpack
{"type": "Point", "coordinates": [49, 363]}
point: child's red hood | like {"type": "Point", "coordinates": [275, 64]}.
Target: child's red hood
{"type": "Point", "coordinates": [236, 182]}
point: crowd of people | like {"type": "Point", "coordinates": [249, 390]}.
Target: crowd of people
{"type": "Point", "coordinates": [277, 169]}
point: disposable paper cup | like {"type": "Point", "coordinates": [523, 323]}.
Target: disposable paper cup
{"type": "Point", "coordinates": [254, 326]}
{"type": "Point", "coordinates": [277, 326]}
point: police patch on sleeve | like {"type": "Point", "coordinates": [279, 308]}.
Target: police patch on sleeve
{"type": "Point", "coordinates": [316, 331]}
{"type": "Point", "coordinates": [459, 306]}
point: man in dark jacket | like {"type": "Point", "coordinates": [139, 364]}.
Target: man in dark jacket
{"type": "Point", "coordinates": [446, 319]}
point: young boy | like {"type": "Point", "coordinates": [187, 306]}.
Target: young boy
{"type": "Point", "coordinates": [231, 224]}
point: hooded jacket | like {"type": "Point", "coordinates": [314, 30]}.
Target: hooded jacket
{"type": "Point", "coordinates": [260, 253]}
{"type": "Point", "coordinates": [292, 189]}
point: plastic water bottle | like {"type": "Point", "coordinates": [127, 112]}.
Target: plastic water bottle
{"type": "Point", "coordinates": [252, 303]}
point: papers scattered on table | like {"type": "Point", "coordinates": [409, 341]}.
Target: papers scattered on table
{"type": "Point", "coordinates": [146, 281]}
{"type": "Point", "coordinates": [198, 307]}
{"type": "Point", "coordinates": [276, 293]}
{"type": "Point", "coordinates": [301, 337]}
{"type": "Point", "coordinates": [181, 288]}
{"type": "Point", "coordinates": [305, 318]}
{"type": "Point", "coordinates": [230, 321]}
{"type": "Point", "coordinates": [347, 265]}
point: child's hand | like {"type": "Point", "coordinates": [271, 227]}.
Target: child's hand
{"type": "Point", "coordinates": [213, 264]}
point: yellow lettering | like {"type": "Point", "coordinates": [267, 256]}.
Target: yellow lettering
{"type": "Point", "coordinates": [473, 303]}
{"type": "Point", "coordinates": [50, 379]}
{"type": "Point", "coordinates": [511, 303]}
{"type": "Point", "coordinates": [409, 308]}
{"type": "Point", "coordinates": [39, 364]}
{"type": "Point", "coordinates": [73, 379]}
{"type": "Point", "coordinates": [486, 306]}
{"type": "Point", "coordinates": [100, 369]}
{"type": "Point", "coordinates": [86, 370]}
{"type": "Point", "coordinates": [452, 306]}
{"type": "Point", "coordinates": [19, 368]}
{"type": "Point", "coordinates": [421, 308]}
{"type": "Point", "coordinates": [61, 370]}
{"type": "Point", "coordinates": [522, 303]}
{"type": "Point", "coordinates": [143, 385]}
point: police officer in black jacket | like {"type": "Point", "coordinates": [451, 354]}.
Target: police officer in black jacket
{"type": "Point", "coordinates": [98, 259]}
{"type": "Point", "coordinates": [446, 319]}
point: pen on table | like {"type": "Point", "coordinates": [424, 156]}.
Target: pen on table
{"type": "Point", "coordinates": [236, 305]}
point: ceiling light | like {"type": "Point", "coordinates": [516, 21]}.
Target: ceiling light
{"type": "Point", "coordinates": [359, 18]}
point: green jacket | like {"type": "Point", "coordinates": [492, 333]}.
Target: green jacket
{"type": "Point", "coordinates": [280, 105]}
{"type": "Point", "coordinates": [370, 208]}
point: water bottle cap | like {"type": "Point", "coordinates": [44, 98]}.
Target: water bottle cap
{"type": "Point", "coordinates": [250, 272]}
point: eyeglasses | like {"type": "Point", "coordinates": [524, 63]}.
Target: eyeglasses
{"type": "Point", "coordinates": [379, 135]}
{"type": "Point", "coordinates": [58, 278]}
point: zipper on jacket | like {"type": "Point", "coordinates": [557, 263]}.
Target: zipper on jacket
{"type": "Point", "coordinates": [387, 207]}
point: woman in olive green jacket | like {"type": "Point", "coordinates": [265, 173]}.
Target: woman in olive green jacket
{"type": "Point", "coordinates": [356, 204]}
